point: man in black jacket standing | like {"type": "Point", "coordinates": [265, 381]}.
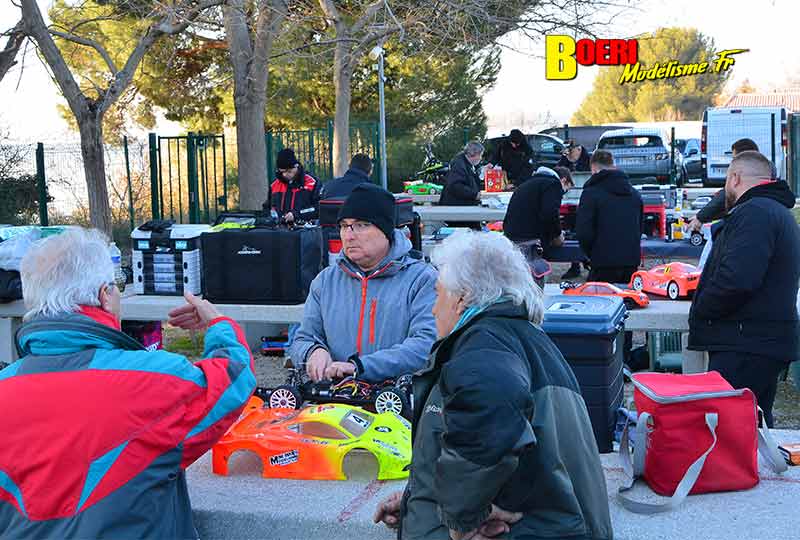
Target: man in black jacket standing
{"type": "Point", "coordinates": [533, 211]}
{"type": "Point", "coordinates": [609, 222]}
{"type": "Point", "coordinates": [462, 182]}
{"type": "Point", "coordinates": [358, 173]}
{"type": "Point", "coordinates": [515, 156]}
{"type": "Point", "coordinates": [744, 310]}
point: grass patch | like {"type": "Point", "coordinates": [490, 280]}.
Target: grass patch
{"type": "Point", "coordinates": [183, 342]}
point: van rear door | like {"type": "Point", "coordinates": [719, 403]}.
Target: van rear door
{"type": "Point", "coordinates": [728, 125]}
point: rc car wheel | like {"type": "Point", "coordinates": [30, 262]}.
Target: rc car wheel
{"type": "Point", "coordinates": [629, 303]}
{"type": "Point", "coordinates": [696, 239]}
{"type": "Point", "coordinates": [673, 291]}
{"type": "Point", "coordinates": [285, 397]}
{"type": "Point", "coordinates": [391, 400]}
{"type": "Point", "coordinates": [638, 283]}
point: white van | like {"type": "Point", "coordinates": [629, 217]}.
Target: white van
{"type": "Point", "coordinates": [722, 126]}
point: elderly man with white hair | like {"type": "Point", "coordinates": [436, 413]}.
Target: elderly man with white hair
{"type": "Point", "coordinates": [463, 185]}
{"type": "Point", "coordinates": [97, 431]}
{"type": "Point", "coordinates": [502, 439]}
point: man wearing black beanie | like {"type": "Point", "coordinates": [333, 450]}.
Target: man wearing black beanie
{"type": "Point", "coordinates": [369, 314]}
{"type": "Point", "coordinates": [294, 194]}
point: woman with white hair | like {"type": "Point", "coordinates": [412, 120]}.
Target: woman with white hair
{"type": "Point", "coordinates": [502, 439]}
{"type": "Point", "coordinates": [97, 431]}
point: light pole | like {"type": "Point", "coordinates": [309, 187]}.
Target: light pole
{"type": "Point", "coordinates": [377, 54]}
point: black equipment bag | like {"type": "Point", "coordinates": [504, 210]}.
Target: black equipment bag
{"type": "Point", "coordinates": [329, 211]}
{"type": "Point", "coordinates": [261, 265]}
{"type": "Point", "coordinates": [10, 286]}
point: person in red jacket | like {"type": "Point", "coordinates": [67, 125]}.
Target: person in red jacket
{"type": "Point", "coordinates": [294, 194]}
{"type": "Point", "coordinates": [97, 430]}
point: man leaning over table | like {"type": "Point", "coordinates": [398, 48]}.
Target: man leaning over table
{"type": "Point", "coordinates": [369, 314]}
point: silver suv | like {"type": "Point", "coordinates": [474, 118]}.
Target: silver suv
{"type": "Point", "coordinates": [641, 153]}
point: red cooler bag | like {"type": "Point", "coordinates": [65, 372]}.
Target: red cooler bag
{"type": "Point", "coordinates": [694, 434]}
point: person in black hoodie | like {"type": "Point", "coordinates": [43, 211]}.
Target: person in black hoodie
{"type": "Point", "coordinates": [462, 181]}
{"type": "Point", "coordinates": [609, 222]}
{"type": "Point", "coordinates": [744, 310]}
{"type": "Point", "coordinates": [533, 211]}
{"type": "Point", "coordinates": [515, 156]}
{"type": "Point", "coordinates": [358, 173]}
{"type": "Point", "coordinates": [294, 194]}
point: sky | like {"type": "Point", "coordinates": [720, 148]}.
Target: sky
{"type": "Point", "coordinates": [522, 96]}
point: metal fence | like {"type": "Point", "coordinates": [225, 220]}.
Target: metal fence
{"type": "Point", "coordinates": [188, 177]}
{"type": "Point", "coordinates": [314, 147]}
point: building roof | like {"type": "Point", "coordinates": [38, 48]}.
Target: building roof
{"type": "Point", "coordinates": [790, 100]}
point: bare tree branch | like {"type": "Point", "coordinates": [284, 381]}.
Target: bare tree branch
{"type": "Point", "coordinates": [8, 55]}
{"type": "Point", "coordinates": [89, 43]}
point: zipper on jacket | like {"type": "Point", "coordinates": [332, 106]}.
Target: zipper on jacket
{"type": "Point", "coordinates": [361, 313]}
{"type": "Point", "coordinates": [294, 194]}
{"type": "Point", "coordinates": [372, 310]}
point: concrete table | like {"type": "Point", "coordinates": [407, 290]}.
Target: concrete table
{"type": "Point", "coordinates": [244, 505]}
{"type": "Point", "coordinates": [460, 213]}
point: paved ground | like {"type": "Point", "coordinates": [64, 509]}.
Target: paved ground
{"type": "Point", "coordinates": [244, 505]}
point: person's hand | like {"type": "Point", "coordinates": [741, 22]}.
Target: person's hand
{"type": "Point", "coordinates": [499, 522]}
{"type": "Point", "coordinates": [317, 363]}
{"type": "Point", "coordinates": [288, 217]}
{"type": "Point", "coordinates": [194, 315]}
{"type": "Point", "coordinates": [388, 511]}
{"type": "Point", "coordinates": [339, 370]}
{"type": "Point", "coordinates": [695, 225]}
{"type": "Point", "coordinates": [558, 241]}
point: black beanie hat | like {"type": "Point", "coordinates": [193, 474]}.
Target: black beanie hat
{"type": "Point", "coordinates": [373, 204]}
{"type": "Point", "coordinates": [516, 136]}
{"type": "Point", "coordinates": [286, 159]}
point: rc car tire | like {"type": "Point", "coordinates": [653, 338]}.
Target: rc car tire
{"type": "Point", "coordinates": [638, 283]}
{"type": "Point", "coordinates": [696, 239]}
{"type": "Point", "coordinates": [673, 291]}
{"type": "Point", "coordinates": [392, 400]}
{"type": "Point", "coordinates": [285, 397]}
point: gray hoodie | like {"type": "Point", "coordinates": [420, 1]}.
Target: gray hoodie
{"type": "Point", "coordinates": [385, 317]}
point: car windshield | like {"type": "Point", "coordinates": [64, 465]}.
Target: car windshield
{"type": "Point", "coordinates": [680, 144]}
{"type": "Point", "coordinates": [317, 429]}
{"type": "Point", "coordinates": [631, 141]}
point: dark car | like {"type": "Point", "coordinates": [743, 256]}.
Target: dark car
{"type": "Point", "coordinates": [691, 167]}
{"type": "Point", "coordinates": [547, 149]}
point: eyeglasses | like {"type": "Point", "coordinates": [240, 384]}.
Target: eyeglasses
{"type": "Point", "coordinates": [355, 228]}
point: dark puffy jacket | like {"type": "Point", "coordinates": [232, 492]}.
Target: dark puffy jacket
{"type": "Point", "coordinates": [300, 196]}
{"type": "Point", "coordinates": [746, 298]}
{"type": "Point", "coordinates": [517, 162]}
{"type": "Point", "coordinates": [582, 164]}
{"type": "Point", "coordinates": [342, 186]}
{"type": "Point", "coordinates": [499, 418]}
{"type": "Point", "coordinates": [714, 210]}
{"type": "Point", "coordinates": [97, 431]}
{"type": "Point", "coordinates": [533, 211]}
{"type": "Point", "coordinates": [609, 220]}
{"type": "Point", "coordinates": [462, 184]}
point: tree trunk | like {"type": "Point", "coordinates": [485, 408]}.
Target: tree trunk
{"type": "Point", "coordinates": [94, 167]}
{"type": "Point", "coordinates": [251, 151]}
{"type": "Point", "coordinates": [342, 78]}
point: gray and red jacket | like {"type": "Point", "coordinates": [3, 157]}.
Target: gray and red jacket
{"type": "Point", "coordinates": [382, 320]}
{"type": "Point", "coordinates": [97, 431]}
